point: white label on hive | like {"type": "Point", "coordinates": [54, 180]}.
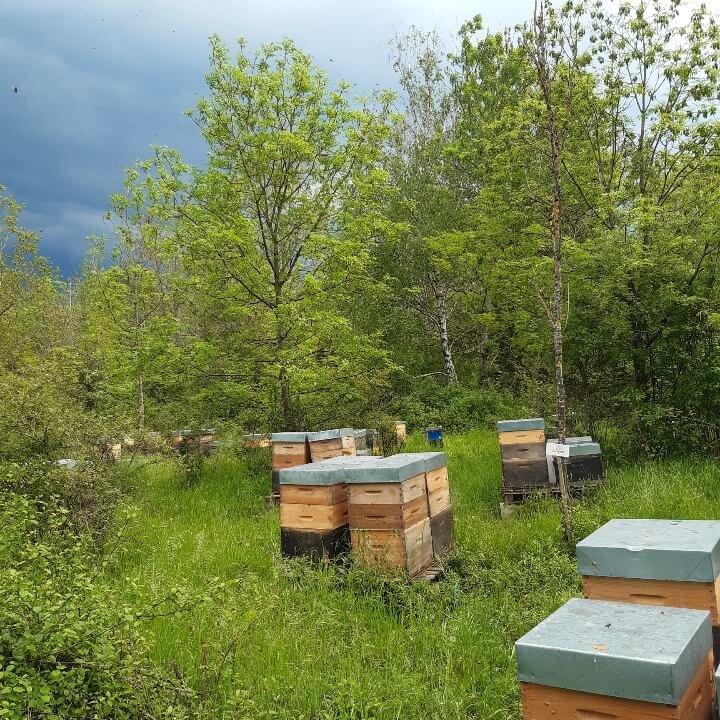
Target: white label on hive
{"type": "Point", "coordinates": [557, 449]}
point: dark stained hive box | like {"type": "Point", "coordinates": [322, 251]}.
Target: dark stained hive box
{"type": "Point", "coordinates": [596, 660]}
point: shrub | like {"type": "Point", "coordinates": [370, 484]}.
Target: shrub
{"type": "Point", "coordinates": [68, 647]}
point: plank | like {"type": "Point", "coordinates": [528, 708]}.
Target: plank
{"type": "Point", "coordinates": [388, 517]}
{"type": "Point", "coordinates": [314, 494]}
{"type": "Point", "coordinates": [387, 493]}
{"type": "Point", "coordinates": [666, 593]}
{"type": "Point", "coordinates": [521, 451]}
{"type": "Point", "coordinates": [522, 437]}
{"type": "Point", "coordinates": [438, 486]}
{"type": "Point", "coordinates": [525, 473]}
{"type": "Point", "coordinates": [315, 545]}
{"type": "Point", "coordinates": [389, 549]}
{"type": "Point", "coordinates": [287, 461]}
{"type": "Point", "coordinates": [541, 702]}
{"type": "Point", "coordinates": [443, 532]}
{"type": "Point", "coordinates": [300, 516]}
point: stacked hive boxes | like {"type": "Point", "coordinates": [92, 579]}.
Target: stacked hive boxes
{"type": "Point", "coordinates": [331, 443]}
{"type": "Point", "coordinates": [289, 449]}
{"type": "Point", "coordinates": [596, 660]}
{"type": "Point", "coordinates": [313, 511]}
{"type": "Point", "coordinates": [388, 512]}
{"type": "Point", "coordinates": [658, 562]}
{"type": "Point", "coordinates": [522, 445]}
{"type": "Point", "coordinates": [361, 443]}
{"type": "Point", "coordinates": [437, 485]}
{"type": "Point", "coordinates": [583, 466]}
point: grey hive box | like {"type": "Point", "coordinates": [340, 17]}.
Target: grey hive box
{"type": "Point", "coordinates": [595, 659]}
{"type": "Point", "coordinates": [289, 437]}
{"type": "Point", "coordinates": [674, 563]}
{"type": "Point", "coordinates": [503, 426]}
{"type": "Point", "coordinates": [392, 469]}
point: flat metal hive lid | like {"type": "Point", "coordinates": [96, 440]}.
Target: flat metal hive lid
{"type": "Point", "coordinates": [292, 437]}
{"type": "Point", "coordinates": [684, 550]}
{"type": "Point", "coordinates": [393, 469]}
{"type": "Point", "coordinates": [638, 652]}
{"type": "Point", "coordinates": [431, 460]}
{"type": "Point", "coordinates": [311, 474]}
{"type": "Point", "coordinates": [331, 434]}
{"type": "Point", "coordinates": [518, 425]}
{"type": "Point", "coordinates": [574, 440]}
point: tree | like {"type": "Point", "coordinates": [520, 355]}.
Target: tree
{"type": "Point", "coordinates": [281, 222]}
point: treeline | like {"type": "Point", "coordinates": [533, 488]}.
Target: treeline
{"type": "Point", "coordinates": [341, 260]}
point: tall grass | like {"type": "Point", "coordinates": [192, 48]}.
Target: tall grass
{"type": "Point", "coordinates": [287, 640]}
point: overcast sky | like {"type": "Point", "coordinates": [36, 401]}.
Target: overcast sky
{"type": "Point", "coordinates": [100, 81]}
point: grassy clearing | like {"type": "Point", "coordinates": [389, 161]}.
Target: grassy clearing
{"type": "Point", "coordinates": [289, 641]}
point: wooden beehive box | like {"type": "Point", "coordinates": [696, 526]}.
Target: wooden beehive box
{"type": "Point", "coordinates": [596, 660]}
{"type": "Point", "coordinates": [440, 510]}
{"type": "Point", "coordinates": [522, 448]}
{"type": "Point", "coordinates": [400, 431]}
{"type": "Point", "coordinates": [313, 511]}
{"type": "Point", "coordinates": [673, 563]}
{"type": "Point", "coordinates": [256, 440]}
{"type": "Point", "coordinates": [289, 449]}
{"type": "Point", "coordinates": [389, 522]}
{"type": "Point", "coordinates": [328, 444]}
{"type": "Point", "coordinates": [584, 465]}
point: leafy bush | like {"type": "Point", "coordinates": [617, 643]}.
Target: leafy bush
{"type": "Point", "coordinates": [456, 407]}
{"type": "Point", "coordinates": [68, 647]}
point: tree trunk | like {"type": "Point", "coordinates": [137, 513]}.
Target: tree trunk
{"type": "Point", "coordinates": [556, 146]}
{"type": "Point", "coordinates": [448, 365]}
{"type": "Point", "coordinates": [280, 332]}
{"type": "Point", "coordinates": [141, 401]}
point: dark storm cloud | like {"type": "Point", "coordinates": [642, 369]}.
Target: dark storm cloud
{"type": "Point", "coordinates": [100, 82]}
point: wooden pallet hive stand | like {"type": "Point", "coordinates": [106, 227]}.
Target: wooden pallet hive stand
{"type": "Point", "coordinates": [329, 444]}
{"type": "Point", "coordinates": [597, 660]}
{"type": "Point", "coordinates": [655, 562]}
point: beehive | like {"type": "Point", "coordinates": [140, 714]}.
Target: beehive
{"type": "Point", "coordinates": [256, 440]}
{"type": "Point", "coordinates": [583, 466]}
{"type": "Point", "coordinates": [289, 449]}
{"type": "Point", "coordinates": [388, 512]}
{"type": "Point", "coordinates": [673, 563]}
{"type": "Point", "coordinates": [522, 447]}
{"type": "Point", "coordinates": [400, 431]}
{"type": "Point", "coordinates": [313, 511]}
{"type": "Point", "coordinates": [437, 484]}
{"type": "Point", "coordinates": [331, 443]}
{"type": "Point", "coordinates": [597, 660]}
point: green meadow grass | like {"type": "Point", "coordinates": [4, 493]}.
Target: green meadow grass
{"type": "Point", "coordinates": [287, 640]}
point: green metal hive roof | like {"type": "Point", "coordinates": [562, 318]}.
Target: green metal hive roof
{"type": "Point", "coordinates": [638, 652]}
{"type": "Point", "coordinates": [518, 425]}
{"type": "Point", "coordinates": [331, 434]}
{"type": "Point", "coordinates": [685, 550]}
{"type": "Point", "coordinates": [291, 437]}
{"type": "Point", "coordinates": [431, 460]}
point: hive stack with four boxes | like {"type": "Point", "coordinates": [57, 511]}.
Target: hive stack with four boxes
{"type": "Point", "coordinates": [643, 642]}
{"type": "Point", "coordinates": [388, 512]}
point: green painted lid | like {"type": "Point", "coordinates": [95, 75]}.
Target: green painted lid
{"type": "Point", "coordinates": [393, 469]}
{"type": "Point", "coordinates": [331, 434]}
{"type": "Point", "coordinates": [685, 550]}
{"type": "Point", "coordinates": [290, 437]}
{"type": "Point", "coordinates": [311, 474]}
{"type": "Point", "coordinates": [518, 425]}
{"type": "Point", "coordinates": [431, 460]}
{"type": "Point", "coordinates": [638, 652]}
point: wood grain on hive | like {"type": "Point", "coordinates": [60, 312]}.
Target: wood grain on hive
{"type": "Point", "coordinates": [313, 511]}
{"type": "Point", "coordinates": [522, 448]}
{"type": "Point", "coordinates": [671, 563]}
{"type": "Point", "coordinates": [389, 521]}
{"type": "Point", "coordinates": [328, 444]}
{"type": "Point", "coordinates": [596, 660]}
